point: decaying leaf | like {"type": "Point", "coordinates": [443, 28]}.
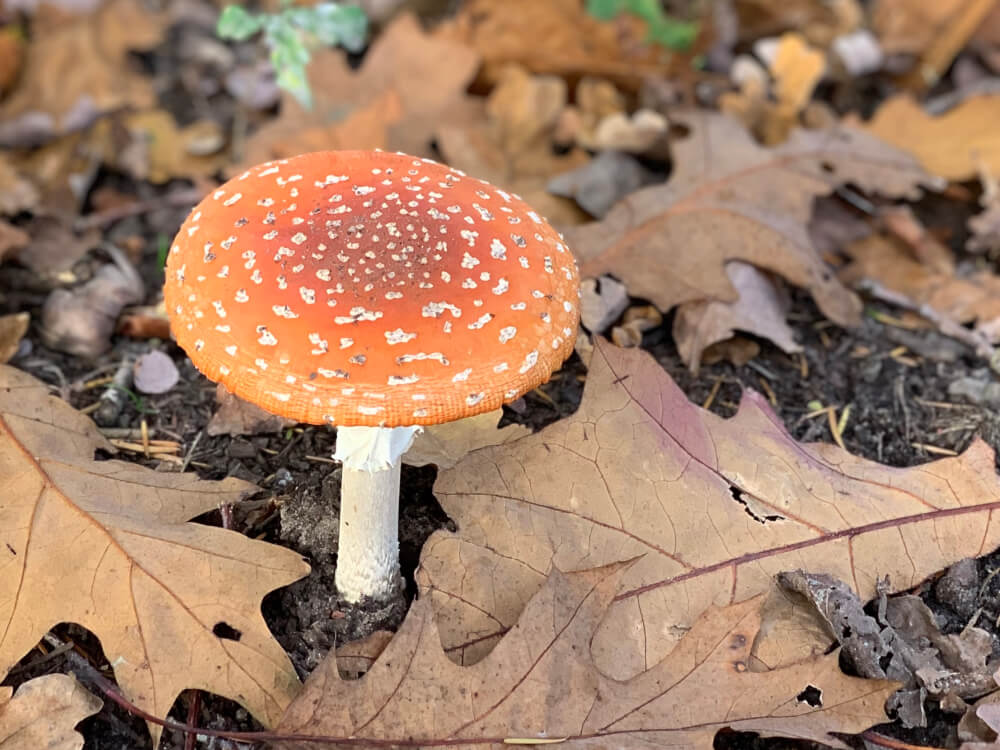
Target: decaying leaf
{"type": "Point", "coordinates": [541, 683]}
{"type": "Point", "coordinates": [561, 37]}
{"type": "Point", "coordinates": [795, 69]}
{"type": "Point", "coordinates": [80, 321]}
{"type": "Point", "coordinates": [77, 70]}
{"type": "Point", "coordinates": [12, 330]}
{"type": "Point", "coordinates": [42, 713]}
{"type": "Point", "coordinates": [17, 193]}
{"type": "Point", "coordinates": [104, 544]}
{"type": "Point", "coordinates": [760, 309]}
{"type": "Point", "coordinates": [509, 141]}
{"type": "Point", "coordinates": [12, 239]}
{"type": "Point", "coordinates": [408, 83]}
{"type": "Point", "coordinates": [238, 417]}
{"type": "Point", "coordinates": [715, 506]}
{"type": "Point", "coordinates": [730, 199]}
{"type": "Point", "coordinates": [445, 444]}
{"type": "Point", "coordinates": [904, 644]}
{"type": "Point", "coordinates": [974, 298]}
{"type": "Point", "coordinates": [985, 230]}
{"type": "Point", "coordinates": [955, 145]}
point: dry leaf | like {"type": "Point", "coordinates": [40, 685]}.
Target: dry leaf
{"type": "Point", "coordinates": [715, 507]}
{"type": "Point", "coordinates": [12, 330]}
{"type": "Point", "coordinates": [509, 142]}
{"type": "Point", "coordinates": [17, 193]}
{"type": "Point", "coordinates": [43, 712]}
{"type": "Point", "coordinates": [79, 69]}
{"type": "Point", "coordinates": [970, 299]}
{"type": "Point", "coordinates": [12, 239]}
{"type": "Point", "coordinates": [561, 37]}
{"type": "Point", "coordinates": [795, 69]}
{"type": "Point", "coordinates": [911, 26]}
{"type": "Point", "coordinates": [168, 148]}
{"type": "Point", "coordinates": [445, 444]}
{"type": "Point", "coordinates": [956, 145]}
{"type": "Point", "coordinates": [407, 84]}
{"type": "Point", "coordinates": [540, 683]}
{"type": "Point", "coordinates": [730, 199]}
{"type": "Point", "coordinates": [80, 321]}
{"type": "Point", "coordinates": [104, 544]}
{"type": "Point", "coordinates": [984, 230]}
{"type": "Point", "coordinates": [760, 310]}
{"type": "Point", "coordinates": [238, 417]}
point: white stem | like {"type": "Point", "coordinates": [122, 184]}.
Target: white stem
{"type": "Point", "coordinates": [368, 551]}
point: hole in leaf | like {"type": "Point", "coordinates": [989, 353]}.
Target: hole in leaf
{"type": "Point", "coordinates": [102, 455]}
{"type": "Point", "coordinates": [811, 695]}
{"type": "Point", "coordinates": [226, 631]}
{"type": "Point", "coordinates": [761, 518]}
{"type": "Point", "coordinates": [827, 167]}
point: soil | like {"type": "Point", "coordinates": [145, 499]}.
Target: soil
{"type": "Point", "coordinates": [895, 382]}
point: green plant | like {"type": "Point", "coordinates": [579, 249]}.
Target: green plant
{"type": "Point", "coordinates": [664, 29]}
{"type": "Point", "coordinates": [292, 32]}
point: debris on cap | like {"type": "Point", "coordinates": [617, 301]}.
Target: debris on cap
{"type": "Point", "coordinates": [369, 288]}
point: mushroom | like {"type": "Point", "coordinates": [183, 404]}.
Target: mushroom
{"type": "Point", "coordinates": [376, 292]}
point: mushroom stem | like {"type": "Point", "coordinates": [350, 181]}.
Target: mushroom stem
{"type": "Point", "coordinates": [368, 550]}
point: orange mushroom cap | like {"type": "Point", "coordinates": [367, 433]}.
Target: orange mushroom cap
{"type": "Point", "coordinates": [370, 288]}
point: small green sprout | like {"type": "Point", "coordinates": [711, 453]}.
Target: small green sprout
{"type": "Point", "coordinates": [292, 32]}
{"type": "Point", "coordinates": [663, 29]}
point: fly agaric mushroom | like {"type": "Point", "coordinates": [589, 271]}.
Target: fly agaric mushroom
{"type": "Point", "coordinates": [376, 292]}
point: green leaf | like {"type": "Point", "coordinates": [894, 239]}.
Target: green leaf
{"type": "Point", "coordinates": [605, 10]}
{"type": "Point", "coordinates": [236, 23]}
{"type": "Point", "coordinates": [345, 25]}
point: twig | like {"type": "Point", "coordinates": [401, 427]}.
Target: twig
{"type": "Point", "coordinates": [178, 199]}
{"type": "Point", "coordinates": [190, 451]}
{"type": "Point", "coordinates": [882, 741]}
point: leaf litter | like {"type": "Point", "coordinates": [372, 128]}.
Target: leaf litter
{"type": "Point", "coordinates": [542, 115]}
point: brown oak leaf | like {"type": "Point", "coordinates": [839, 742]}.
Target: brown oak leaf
{"type": "Point", "coordinates": [43, 712]}
{"type": "Point", "coordinates": [104, 544]}
{"type": "Point", "coordinates": [731, 199]}
{"type": "Point", "coordinates": [714, 506]}
{"type": "Point", "coordinates": [540, 683]}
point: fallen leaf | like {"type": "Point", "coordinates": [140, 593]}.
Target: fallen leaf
{"type": "Point", "coordinates": [602, 182]}
{"type": "Point", "coordinates": [910, 26]}
{"type": "Point", "coordinates": [955, 145]}
{"type": "Point", "coordinates": [43, 712]}
{"type": "Point", "coordinates": [509, 142]}
{"type": "Point", "coordinates": [795, 69]}
{"type": "Point", "coordinates": [541, 684]}
{"type": "Point", "coordinates": [12, 239]}
{"type": "Point", "coordinates": [238, 417]}
{"type": "Point", "coordinates": [984, 230]}
{"type": "Point", "coordinates": [79, 69]}
{"type": "Point", "coordinates": [715, 506]}
{"type": "Point", "coordinates": [820, 23]}
{"type": "Point", "coordinates": [17, 193]}
{"type": "Point", "coordinates": [104, 544]}
{"type": "Point", "coordinates": [80, 321]}
{"type": "Point", "coordinates": [973, 298]}
{"type": "Point", "coordinates": [560, 37]}
{"type": "Point", "coordinates": [54, 248]}
{"type": "Point", "coordinates": [730, 199]}
{"type": "Point", "coordinates": [760, 310]}
{"type": "Point", "coordinates": [12, 330]}
{"type": "Point", "coordinates": [407, 84]}
{"type": "Point", "coordinates": [168, 148]}
{"type": "Point", "coordinates": [445, 444]}
{"type": "Point", "coordinates": [602, 302]}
